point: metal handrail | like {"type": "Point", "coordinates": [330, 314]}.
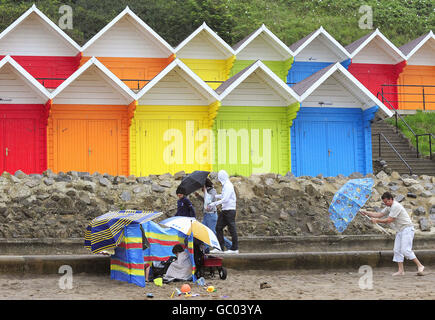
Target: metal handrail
{"type": "Point", "coordinates": [50, 79]}
{"type": "Point", "coordinates": [422, 93]}
{"type": "Point", "coordinates": [394, 149]}
{"type": "Point", "coordinates": [396, 114]}
{"type": "Point", "coordinates": [430, 142]}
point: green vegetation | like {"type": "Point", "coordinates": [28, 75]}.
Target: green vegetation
{"type": "Point", "coordinates": [421, 122]}
{"type": "Point", "coordinates": [400, 21]}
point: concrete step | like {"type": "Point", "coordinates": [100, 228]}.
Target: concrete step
{"type": "Point", "coordinates": [418, 165]}
{"type": "Point", "coordinates": [263, 244]}
{"type": "Point", "coordinates": [94, 264]}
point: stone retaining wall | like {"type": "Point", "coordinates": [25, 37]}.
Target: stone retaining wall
{"type": "Point", "coordinates": [61, 205]}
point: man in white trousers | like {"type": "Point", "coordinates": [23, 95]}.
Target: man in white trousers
{"type": "Point", "coordinates": [399, 218]}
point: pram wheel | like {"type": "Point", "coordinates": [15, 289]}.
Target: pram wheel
{"type": "Point", "coordinates": [222, 273]}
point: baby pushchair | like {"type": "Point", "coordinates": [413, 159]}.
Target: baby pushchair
{"type": "Point", "coordinates": [207, 264]}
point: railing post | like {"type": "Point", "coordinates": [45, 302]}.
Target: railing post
{"type": "Point", "coordinates": [424, 103]}
{"type": "Point", "coordinates": [379, 137]}
{"type": "Point", "coordinates": [416, 141]}
{"type": "Point", "coordinates": [430, 146]}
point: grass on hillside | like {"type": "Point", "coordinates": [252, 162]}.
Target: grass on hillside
{"type": "Point", "coordinates": [421, 122]}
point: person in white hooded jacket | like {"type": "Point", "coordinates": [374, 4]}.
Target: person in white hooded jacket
{"type": "Point", "coordinates": [228, 215]}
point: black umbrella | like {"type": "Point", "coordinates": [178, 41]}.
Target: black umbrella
{"type": "Point", "coordinates": [192, 182]}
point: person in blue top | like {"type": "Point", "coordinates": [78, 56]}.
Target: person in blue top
{"type": "Point", "coordinates": [184, 206]}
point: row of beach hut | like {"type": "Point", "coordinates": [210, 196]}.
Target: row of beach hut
{"type": "Point", "coordinates": [129, 103]}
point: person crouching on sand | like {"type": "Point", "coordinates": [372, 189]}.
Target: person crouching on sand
{"type": "Point", "coordinates": [399, 218]}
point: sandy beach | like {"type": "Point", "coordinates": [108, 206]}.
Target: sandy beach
{"type": "Point", "coordinates": [240, 285]}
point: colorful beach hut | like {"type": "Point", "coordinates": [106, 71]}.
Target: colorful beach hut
{"type": "Point", "coordinates": [171, 128]}
{"type": "Point", "coordinates": [23, 120]}
{"type": "Point", "coordinates": [377, 64]}
{"type": "Point", "coordinates": [41, 47]}
{"type": "Point", "coordinates": [208, 55]}
{"type": "Point", "coordinates": [263, 45]}
{"type": "Point", "coordinates": [129, 48]}
{"type": "Point", "coordinates": [89, 121]}
{"type": "Point", "coordinates": [313, 53]}
{"type": "Point", "coordinates": [417, 80]}
{"type": "Point", "coordinates": [332, 133]}
{"type": "Point", "coordinates": [252, 125]}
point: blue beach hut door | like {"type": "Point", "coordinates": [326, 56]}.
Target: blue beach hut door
{"type": "Point", "coordinates": [326, 148]}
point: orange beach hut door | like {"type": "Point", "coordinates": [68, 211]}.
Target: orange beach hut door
{"type": "Point", "coordinates": [103, 145]}
{"type": "Point", "coordinates": [88, 146]}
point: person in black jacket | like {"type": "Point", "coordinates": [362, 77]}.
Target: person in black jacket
{"type": "Point", "coordinates": [184, 206]}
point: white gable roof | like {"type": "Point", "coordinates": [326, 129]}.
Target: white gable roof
{"type": "Point", "coordinates": [221, 45]}
{"type": "Point", "coordinates": [195, 81]}
{"type": "Point", "coordinates": [51, 26]}
{"type": "Point", "coordinates": [334, 45]}
{"type": "Point", "coordinates": [109, 78]}
{"type": "Point", "coordinates": [429, 37]}
{"type": "Point", "coordinates": [266, 74]}
{"type": "Point", "coordinates": [355, 48]}
{"type": "Point", "coordinates": [284, 50]}
{"type": "Point", "coordinates": [140, 24]}
{"type": "Point", "coordinates": [38, 88]}
{"type": "Point", "coordinates": [307, 86]}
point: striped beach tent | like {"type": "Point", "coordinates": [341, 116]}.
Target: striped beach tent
{"type": "Point", "coordinates": [105, 232]}
{"type": "Point", "coordinates": [127, 264]}
{"type": "Point", "coordinates": [161, 241]}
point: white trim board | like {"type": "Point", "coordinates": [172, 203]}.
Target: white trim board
{"type": "Point", "coordinates": [364, 92]}
{"type": "Point", "coordinates": [140, 23]}
{"type": "Point", "coordinates": [281, 88]}
{"type": "Point", "coordinates": [321, 31]}
{"type": "Point", "coordinates": [194, 80]}
{"type": "Point", "coordinates": [26, 77]}
{"type": "Point", "coordinates": [117, 84]}
{"type": "Point", "coordinates": [270, 35]}
{"type": "Point", "coordinates": [225, 48]}
{"type": "Point", "coordinates": [387, 42]}
{"type": "Point", "coordinates": [44, 18]}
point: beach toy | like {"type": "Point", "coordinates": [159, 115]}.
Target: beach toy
{"type": "Point", "coordinates": [200, 281]}
{"type": "Point", "coordinates": [178, 292]}
{"type": "Point", "coordinates": [185, 288]}
{"type": "Point", "coordinates": [158, 282]}
{"type": "Point", "coordinates": [211, 289]}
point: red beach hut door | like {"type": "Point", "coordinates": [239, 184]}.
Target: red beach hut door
{"type": "Point", "coordinates": [19, 145]}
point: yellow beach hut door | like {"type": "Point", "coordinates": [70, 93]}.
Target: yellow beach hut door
{"type": "Point", "coordinates": [171, 145]}
{"type": "Point", "coordinates": [150, 147]}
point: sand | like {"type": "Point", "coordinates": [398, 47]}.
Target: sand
{"type": "Point", "coordinates": [240, 285]}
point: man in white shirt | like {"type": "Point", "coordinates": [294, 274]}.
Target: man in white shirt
{"type": "Point", "coordinates": [228, 215]}
{"type": "Point", "coordinates": [401, 222]}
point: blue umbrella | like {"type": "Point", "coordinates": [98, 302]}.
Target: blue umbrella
{"type": "Point", "coordinates": [348, 200]}
{"type": "Point", "coordinates": [106, 231]}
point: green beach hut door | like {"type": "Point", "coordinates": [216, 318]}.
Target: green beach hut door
{"type": "Point", "coordinates": [247, 146]}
